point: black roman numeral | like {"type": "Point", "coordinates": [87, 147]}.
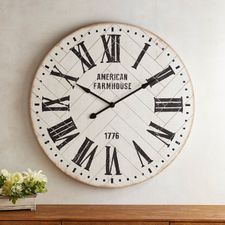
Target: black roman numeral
{"type": "Point", "coordinates": [161, 133]}
{"type": "Point", "coordinates": [87, 61]}
{"type": "Point", "coordinates": [168, 104]}
{"type": "Point", "coordinates": [62, 132]}
{"type": "Point", "coordinates": [68, 78]}
{"type": "Point", "coordinates": [110, 161]}
{"type": "Point", "coordinates": [56, 104]}
{"type": "Point", "coordinates": [113, 53]}
{"type": "Point", "coordinates": [161, 76]}
{"type": "Point", "coordinates": [143, 51]}
{"type": "Point", "coordinates": [141, 154]}
{"type": "Point", "coordinates": [83, 155]}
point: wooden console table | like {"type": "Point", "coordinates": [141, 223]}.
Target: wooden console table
{"type": "Point", "coordinates": [116, 215]}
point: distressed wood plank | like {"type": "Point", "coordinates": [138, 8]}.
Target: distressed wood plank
{"type": "Point", "coordinates": [137, 213]}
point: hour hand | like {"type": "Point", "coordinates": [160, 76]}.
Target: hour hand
{"type": "Point", "coordinates": [87, 90]}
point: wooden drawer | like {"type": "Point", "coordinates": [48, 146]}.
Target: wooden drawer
{"type": "Point", "coordinates": [29, 223]}
{"type": "Point", "coordinates": [115, 223]}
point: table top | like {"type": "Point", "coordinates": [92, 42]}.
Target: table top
{"type": "Point", "coordinates": [183, 213]}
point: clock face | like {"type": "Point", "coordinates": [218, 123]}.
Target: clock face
{"type": "Point", "coordinates": [112, 104]}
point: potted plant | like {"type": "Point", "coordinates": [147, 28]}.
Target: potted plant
{"type": "Point", "coordinates": [18, 190]}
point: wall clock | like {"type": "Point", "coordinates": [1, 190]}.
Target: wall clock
{"type": "Point", "coordinates": [112, 104]}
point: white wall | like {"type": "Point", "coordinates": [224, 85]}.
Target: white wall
{"type": "Point", "coordinates": [195, 28]}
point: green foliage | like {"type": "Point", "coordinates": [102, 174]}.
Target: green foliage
{"type": "Point", "coordinates": [2, 180]}
{"type": "Point", "coordinates": [19, 185]}
{"type": "Point", "coordinates": [33, 187]}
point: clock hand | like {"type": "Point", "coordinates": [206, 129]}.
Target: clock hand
{"type": "Point", "coordinates": [112, 104]}
{"type": "Point", "coordinates": [87, 90]}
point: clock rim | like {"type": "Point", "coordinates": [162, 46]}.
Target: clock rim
{"type": "Point", "coordinates": [102, 185]}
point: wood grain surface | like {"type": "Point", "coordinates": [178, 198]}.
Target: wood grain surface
{"type": "Point", "coordinates": [135, 213]}
{"type": "Point", "coordinates": [29, 223]}
{"type": "Point", "coordinates": [114, 223]}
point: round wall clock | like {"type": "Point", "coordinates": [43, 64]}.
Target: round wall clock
{"type": "Point", "coordinates": [112, 104]}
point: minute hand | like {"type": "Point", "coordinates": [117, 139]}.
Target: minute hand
{"type": "Point", "coordinates": [131, 93]}
{"type": "Point", "coordinates": [112, 104]}
{"type": "Point", "coordinates": [151, 81]}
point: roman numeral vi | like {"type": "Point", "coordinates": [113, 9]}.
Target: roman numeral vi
{"type": "Point", "coordinates": [112, 160]}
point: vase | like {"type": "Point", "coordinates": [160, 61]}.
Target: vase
{"type": "Point", "coordinates": [22, 203]}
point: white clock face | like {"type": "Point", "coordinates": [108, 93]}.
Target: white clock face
{"type": "Point", "coordinates": [112, 104]}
